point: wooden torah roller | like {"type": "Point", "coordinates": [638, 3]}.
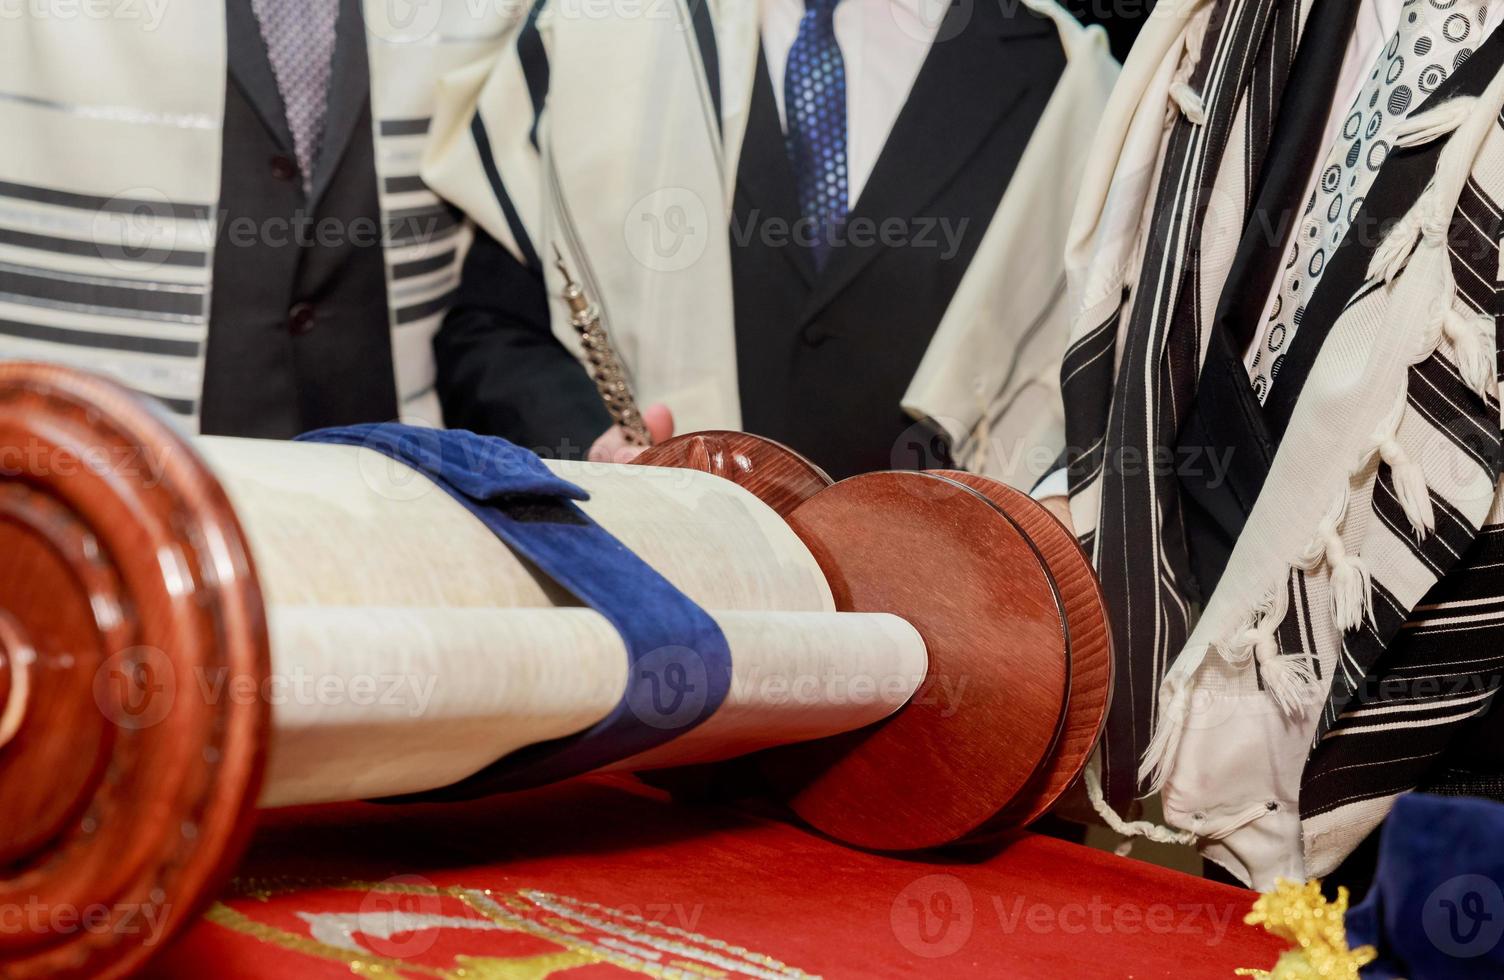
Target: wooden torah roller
{"type": "Point", "coordinates": [190, 629]}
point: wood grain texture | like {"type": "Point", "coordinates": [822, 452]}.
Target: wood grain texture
{"type": "Point", "coordinates": [1090, 646]}
{"type": "Point", "coordinates": [15, 679]}
{"type": "Point", "coordinates": [128, 787]}
{"type": "Point", "coordinates": [774, 473]}
{"type": "Point", "coordinates": [945, 559]}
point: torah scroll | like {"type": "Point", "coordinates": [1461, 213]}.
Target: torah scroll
{"type": "Point", "coordinates": [190, 629]}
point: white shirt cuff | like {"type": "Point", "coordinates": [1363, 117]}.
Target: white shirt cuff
{"type": "Point", "coordinates": [1055, 484]}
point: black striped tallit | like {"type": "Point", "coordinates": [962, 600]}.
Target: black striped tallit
{"type": "Point", "coordinates": [1417, 684]}
{"type": "Point", "coordinates": [1138, 543]}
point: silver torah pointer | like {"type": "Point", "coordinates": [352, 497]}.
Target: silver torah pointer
{"type": "Point", "coordinates": [605, 366]}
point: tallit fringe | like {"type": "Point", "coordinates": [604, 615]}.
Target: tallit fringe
{"type": "Point", "coordinates": [1472, 339]}
{"type": "Point", "coordinates": [1420, 224]}
{"type": "Point", "coordinates": [1421, 220]}
{"type": "Point", "coordinates": [1424, 127]}
{"type": "Point", "coordinates": [1409, 479]}
{"type": "Point", "coordinates": [1287, 680]}
{"type": "Point", "coordinates": [1351, 585]}
{"type": "Point", "coordinates": [1168, 729]}
{"type": "Point", "coordinates": [1410, 487]}
{"type": "Point", "coordinates": [1395, 250]}
{"type": "Point", "coordinates": [1186, 99]}
{"type": "Point", "coordinates": [1350, 582]}
{"type": "Point", "coordinates": [1137, 828]}
{"type": "Point", "coordinates": [1190, 103]}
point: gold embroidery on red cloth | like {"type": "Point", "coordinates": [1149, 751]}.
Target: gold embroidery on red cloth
{"type": "Point", "coordinates": [395, 930]}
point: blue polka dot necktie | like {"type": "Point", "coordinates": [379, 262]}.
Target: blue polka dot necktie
{"type": "Point", "coordinates": [814, 94]}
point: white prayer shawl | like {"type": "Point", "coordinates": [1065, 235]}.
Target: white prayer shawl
{"type": "Point", "coordinates": [638, 202]}
{"type": "Point", "coordinates": [1227, 756]}
{"type": "Point", "coordinates": [112, 151]}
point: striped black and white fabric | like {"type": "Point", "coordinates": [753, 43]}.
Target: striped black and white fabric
{"type": "Point", "coordinates": [1128, 378]}
{"type": "Point", "coordinates": [127, 274]}
{"type": "Point", "coordinates": [1414, 675]}
{"type": "Point", "coordinates": [1352, 645]}
{"type": "Point", "coordinates": [106, 257]}
{"type": "Point", "coordinates": [541, 148]}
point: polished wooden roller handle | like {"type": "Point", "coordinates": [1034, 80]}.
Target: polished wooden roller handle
{"type": "Point", "coordinates": [131, 610]}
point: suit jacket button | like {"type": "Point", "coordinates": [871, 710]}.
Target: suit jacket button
{"type": "Point", "coordinates": [284, 167]}
{"type": "Point", "coordinates": [300, 318]}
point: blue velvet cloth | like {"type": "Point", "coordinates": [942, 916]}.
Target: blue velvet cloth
{"type": "Point", "coordinates": [1436, 909]}
{"type": "Point", "coordinates": [680, 664]}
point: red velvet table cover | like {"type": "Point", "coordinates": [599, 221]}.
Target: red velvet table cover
{"type": "Point", "coordinates": [604, 877]}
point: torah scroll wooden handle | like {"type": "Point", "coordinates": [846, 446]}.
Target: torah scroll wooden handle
{"type": "Point", "coordinates": [134, 653]}
{"type": "Point", "coordinates": [1013, 620]}
{"type": "Point", "coordinates": [773, 473]}
{"type": "Point", "coordinates": [130, 612]}
{"type": "Point", "coordinates": [943, 767]}
{"type": "Point", "coordinates": [1089, 637]}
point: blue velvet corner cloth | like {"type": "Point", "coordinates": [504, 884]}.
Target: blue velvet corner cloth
{"type": "Point", "coordinates": [1436, 908]}
{"type": "Point", "coordinates": [680, 664]}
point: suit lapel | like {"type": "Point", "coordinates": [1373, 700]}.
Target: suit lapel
{"type": "Point", "coordinates": [736, 36]}
{"type": "Point", "coordinates": [251, 69]}
{"type": "Point", "coordinates": [968, 85]}
{"type": "Point", "coordinates": [765, 175]}
{"type": "Point", "coordinates": [349, 93]}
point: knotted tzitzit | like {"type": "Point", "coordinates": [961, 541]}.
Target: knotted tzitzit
{"type": "Point", "coordinates": [814, 88]}
{"type": "Point", "coordinates": [1433, 38]}
{"type": "Point", "coordinates": [1418, 238]}
{"type": "Point", "coordinates": [299, 37]}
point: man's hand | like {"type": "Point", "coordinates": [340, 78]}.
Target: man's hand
{"type": "Point", "coordinates": [613, 447]}
{"type": "Point", "coordinates": [1060, 508]}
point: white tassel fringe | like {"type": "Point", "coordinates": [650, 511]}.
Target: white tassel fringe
{"type": "Point", "coordinates": [1423, 127]}
{"type": "Point", "coordinates": [1395, 250]}
{"type": "Point", "coordinates": [1409, 486]}
{"type": "Point", "coordinates": [1168, 729]}
{"type": "Point", "coordinates": [1286, 679]}
{"type": "Point", "coordinates": [1409, 479]}
{"type": "Point", "coordinates": [1472, 340]}
{"type": "Point", "coordinates": [1351, 585]}
{"type": "Point", "coordinates": [1420, 223]}
{"type": "Point", "coordinates": [1190, 103]}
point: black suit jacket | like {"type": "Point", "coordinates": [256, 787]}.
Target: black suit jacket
{"type": "Point", "coordinates": [298, 329]}
{"type": "Point", "coordinates": [824, 358]}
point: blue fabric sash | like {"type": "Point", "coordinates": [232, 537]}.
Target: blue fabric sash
{"type": "Point", "coordinates": [1436, 908]}
{"type": "Point", "coordinates": [679, 661]}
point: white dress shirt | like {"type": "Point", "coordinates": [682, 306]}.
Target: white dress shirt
{"type": "Point", "coordinates": [883, 44]}
{"type": "Point", "coordinates": [1376, 23]}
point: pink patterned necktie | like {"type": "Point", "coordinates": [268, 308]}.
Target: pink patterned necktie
{"type": "Point", "coordinates": [299, 36]}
